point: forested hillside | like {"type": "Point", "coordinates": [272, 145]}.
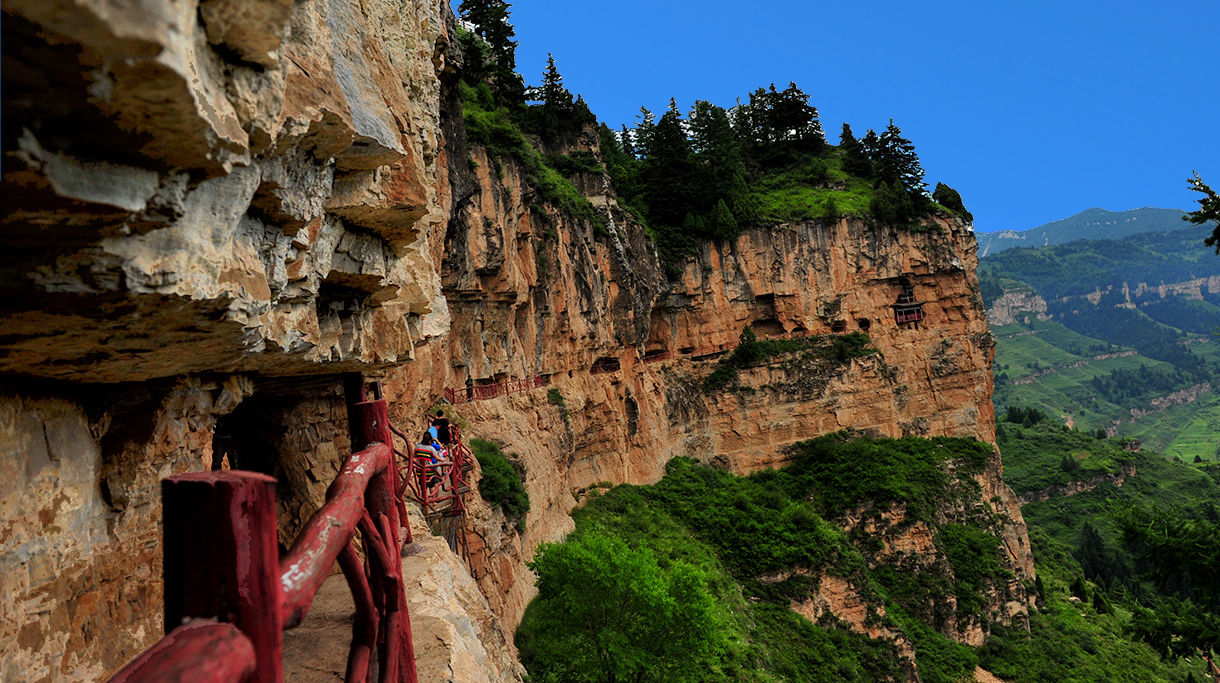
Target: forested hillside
{"type": "Point", "coordinates": [1113, 335]}
{"type": "Point", "coordinates": [1126, 543]}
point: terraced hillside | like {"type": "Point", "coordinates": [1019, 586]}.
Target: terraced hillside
{"type": "Point", "coordinates": [1113, 335]}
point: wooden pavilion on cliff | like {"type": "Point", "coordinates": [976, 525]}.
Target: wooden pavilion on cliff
{"type": "Point", "coordinates": [908, 310]}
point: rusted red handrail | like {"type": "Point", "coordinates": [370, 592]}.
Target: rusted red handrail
{"type": "Point", "coordinates": [199, 651]}
{"type": "Point", "coordinates": [220, 560]}
{"type": "Point", "coordinates": [482, 392]}
{"type": "Point", "coordinates": [658, 357]}
{"type": "Point", "coordinates": [328, 532]}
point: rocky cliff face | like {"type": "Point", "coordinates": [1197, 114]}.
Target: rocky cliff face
{"type": "Point", "coordinates": [226, 187]}
{"type": "Point", "coordinates": [625, 353]}
{"type": "Point", "coordinates": [219, 186]}
{"type": "Point", "coordinates": [221, 205]}
{"type": "Point", "coordinates": [1022, 305]}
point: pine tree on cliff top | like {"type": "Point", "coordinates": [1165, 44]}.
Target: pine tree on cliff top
{"type": "Point", "coordinates": [554, 95]}
{"type": "Point", "coordinates": [557, 104]}
{"type": "Point", "coordinates": [490, 18]}
{"type": "Point", "coordinates": [669, 168]}
{"type": "Point", "coordinates": [855, 160]}
{"type": "Point", "coordinates": [723, 169]}
{"type": "Point", "coordinates": [897, 163]}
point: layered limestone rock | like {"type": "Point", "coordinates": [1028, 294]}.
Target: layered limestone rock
{"type": "Point", "coordinates": [1017, 306]}
{"type": "Point", "coordinates": [80, 539]}
{"type": "Point", "coordinates": [199, 194]}
{"type": "Point", "coordinates": [218, 186]}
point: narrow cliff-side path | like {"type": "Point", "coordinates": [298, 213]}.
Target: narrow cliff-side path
{"type": "Point", "coordinates": [457, 637]}
{"type": "Point", "coordinates": [317, 649]}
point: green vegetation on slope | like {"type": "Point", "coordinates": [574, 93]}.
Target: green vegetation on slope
{"type": "Point", "coordinates": [502, 482]}
{"type": "Point", "coordinates": [499, 131]}
{"type": "Point", "coordinates": [1098, 385]}
{"type": "Point", "coordinates": [1045, 454]}
{"type": "Point", "coordinates": [1106, 585]}
{"type": "Point", "coordinates": [751, 351]}
{"type": "Point", "coordinates": [755, 545]}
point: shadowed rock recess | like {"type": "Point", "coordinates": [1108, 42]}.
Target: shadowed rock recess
{"type": "Point", "coordinates": [213, 208]}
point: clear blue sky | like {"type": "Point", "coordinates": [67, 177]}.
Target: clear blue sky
{"type": "Point", "coordinates": [1033, 110]}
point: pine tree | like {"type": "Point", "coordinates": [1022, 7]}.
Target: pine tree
{"type": "Point", "coordinates": [872, 148]}
{"type": "Point", "coordinates": [855, 159]}
{"type": "Point", "coordinates": [490, 18]}
{"type": "Point", "coordinates": [557, 107]}
{"type": "Point", "coordinates": [897, 163]}
{"type": "Point", "coordinates": [775, 116]}
{"type": "Point", "coordinates": [722, 167]}
{"type": "Point", "coordinates": [625, 140]}
{"type": "Point", "coordinates": [722, 223]}
{"type": "Point", "coordinates": [794, 120]}
{"type": "Point", "coordinates": [643, 131]}
{"type": "Point", "coordinates": [950, 199]}
{"type": "Point", "coordinates": [554, 95]}
{"type": "Point", "coordinates": [668, 169]}
{"type": "Point", "coordinates": [1209, 209]}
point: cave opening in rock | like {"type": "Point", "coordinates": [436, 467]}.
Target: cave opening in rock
{"type": "Point", "coordinates": [767, 327]}
{"type": "Point", "coordinates": [293, 429]}
{"type": "Point", "coordinates": [604, 364]}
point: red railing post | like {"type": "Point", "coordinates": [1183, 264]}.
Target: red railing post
{"type": "Point", "coordinates": [370, 423]}
{"type": "Point", "coordinates": [220, 559]}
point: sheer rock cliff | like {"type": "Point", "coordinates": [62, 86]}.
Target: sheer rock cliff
{"type": "Point", "coordinates": [216, 207]}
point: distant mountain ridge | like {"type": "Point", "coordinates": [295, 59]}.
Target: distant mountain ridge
{"type": "Point", "coordinates": [1090, 224]}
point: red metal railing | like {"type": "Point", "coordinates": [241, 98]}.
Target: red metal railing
{"type": "Point", "coordinates": [657, 357]}
{"type": "Point", "coordinates": [901, 317]}
{"type": "Point", "coordinates": [221, 562]}
{"type": "Point", "coordinates": [438, 484]}
{"type": "Point", "coordinates": [199, 651]}
{"type": "Point", "coordinates": [481, 392]}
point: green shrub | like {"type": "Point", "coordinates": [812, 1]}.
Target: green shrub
{"type": "Point", "coordinates": [581, 161]}
{"type": "Point", "coordinates": [751, 351]}
{"type": "Point", "coordinates": [609, 612]}
{"type": "Point", "coordinates": [502, 483]}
